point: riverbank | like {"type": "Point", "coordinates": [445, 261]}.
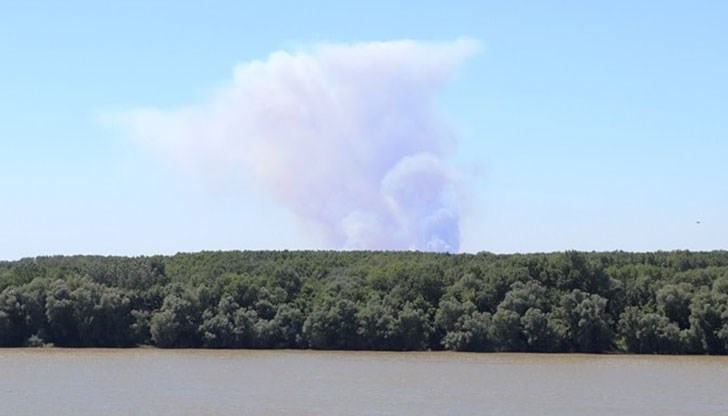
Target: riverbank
{"type": "Point", "coordinates": [664, 302]}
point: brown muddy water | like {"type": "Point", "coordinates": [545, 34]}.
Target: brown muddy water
{"type": "Point", "coordinates": [204, 382]}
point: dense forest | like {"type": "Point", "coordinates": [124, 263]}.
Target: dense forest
{"type": "Point", "coordinates": [664, 302]}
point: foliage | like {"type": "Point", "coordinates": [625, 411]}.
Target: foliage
{"type": "Point", "coordinates": [663, 302]}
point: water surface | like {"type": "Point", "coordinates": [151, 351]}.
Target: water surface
{"type": "Point", "coordinates": [205, 382]}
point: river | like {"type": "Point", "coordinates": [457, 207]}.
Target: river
{"type": "Point", "coordinates": [206, 382]}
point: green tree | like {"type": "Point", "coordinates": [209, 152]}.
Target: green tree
{"type": "Point", "coordinates": [541, 331]}
{"type": "Point", "coordinates": [589, 326]}
{"type": "Point", "coordinates": [673, 301]}
{"type": "Point", "coordinates": [375, 322]}
{"type": "Point", "coordinates": [174, 324]}
{"type": "Point", "coordinates": [12, 319]}
{"type": "Point", "coordinates": [61, 316]}
{"type": "Point", "coordinates": [412, 329]}
{"type": "Point", "coordinates": [708, 318]}
{"type": "Point", "coordinates": [648, 332]}
{"type": "Point", "coordinates": [471, 332]}
{"type": "Point", "coordinates": [332, 325]}
{"type": "Point", "coordinates": [227, 325]}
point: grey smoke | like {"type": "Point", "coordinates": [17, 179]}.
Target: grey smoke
{"type": "Point", "coordinates": [345, 135]}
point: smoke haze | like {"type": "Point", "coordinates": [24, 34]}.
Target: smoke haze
{"type": "Point", "coordinates": [346, 136]}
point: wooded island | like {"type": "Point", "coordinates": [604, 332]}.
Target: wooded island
{"type": "Point", "coordinates": [663, 302]}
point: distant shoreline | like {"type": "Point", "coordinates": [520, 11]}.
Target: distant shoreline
{"type": "Point", "coordinates": [569, 302]}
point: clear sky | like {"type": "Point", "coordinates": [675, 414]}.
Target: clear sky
{"type": "Point", "coordinates": [562, 124]}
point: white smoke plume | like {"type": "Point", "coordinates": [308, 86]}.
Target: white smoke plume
{"type": "Point", "coordinates": [345, 135]}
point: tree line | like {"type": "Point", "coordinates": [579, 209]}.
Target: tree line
{"type": "Point", "coordinates": [664, 302]}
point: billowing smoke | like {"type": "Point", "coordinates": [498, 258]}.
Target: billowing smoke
{"type": "Point", "coordinates": [346, 136]}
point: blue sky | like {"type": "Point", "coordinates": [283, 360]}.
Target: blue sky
{"type": "Point", "coordinates": [578, 126]}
